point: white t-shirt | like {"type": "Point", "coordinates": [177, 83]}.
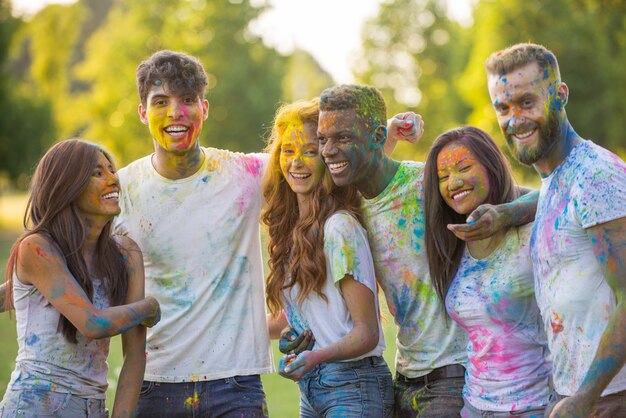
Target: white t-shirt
{"type": "Point", "coordinates": [576, 303]}
{"type": "Point", "coordinates": [493, 299]}
{"type": "Point", "coordinates": [200, 240]}
{"type": "Point", "coordinates": [347, 252]}
{"type": "Point", "coordinates": [394, 221]}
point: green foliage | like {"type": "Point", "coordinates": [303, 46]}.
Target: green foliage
{"type": "Point", "coordinates": [26, 125]}
{"type": "Point", "coordinates": [413, 53]}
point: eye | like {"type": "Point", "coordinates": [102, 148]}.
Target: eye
{"type": "Point", "coordinates": [465, 168]}
{"type": "Point", "coordinates": [501, 109]}
{"type": "Point", "coordinates": [286, 151]}
{"type": "Point", "coordinates": [189, 100]}
{"type": "Point", "coordinates": [97, 173]}
{"type": "Point", "coordinates": [443, 178]}
{"type": "Point", "coordinates": [311, 153]}
{"type": "Point", "coordinates": [527, 103]}
{"type": "Point", "coordinates": [321, 139]}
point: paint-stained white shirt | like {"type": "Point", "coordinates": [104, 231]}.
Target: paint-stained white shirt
{"type": "Point", "coordinates": [201, 247]}
{"type": "Point", "coordinates": [588, 188]}
{"type": "Point", "coordinates": [394, 221]}
{"type": "Point", "coordinates": [347, 252]}
{"type": "Point", "coordinates": [493, 299]}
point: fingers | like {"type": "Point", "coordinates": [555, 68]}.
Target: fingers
{"type": "Point", "coordinates": [470, 232]}
{"type": "Point", "coordinates": [306, 342]}
{"type": "Point", "coordinates": [289, 339]}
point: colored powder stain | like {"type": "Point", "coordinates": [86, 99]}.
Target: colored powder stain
{"type": "Point", "coordinates": [40, 252]}
{"type": "Point", "coordinates": [32, 339]}
{"type": "Point", "coordinates": [401, 222]}
{"type": "Point", "coordinates": [193, 402]}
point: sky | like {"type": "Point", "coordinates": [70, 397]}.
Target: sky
{"type": "Point", "coordinates": [330, 30]}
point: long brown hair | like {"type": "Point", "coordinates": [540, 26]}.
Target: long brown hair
{"type": "Point", "coordinates": [60, 178]}
{"type": "Point", "coordinates": [444, 249]}
{"type": "Point", "coordinates": [296, 246]}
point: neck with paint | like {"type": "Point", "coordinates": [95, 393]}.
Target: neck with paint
{"type": "Point", "coordinates": [566, 141]}
{"type": "Point", "coordinates": [176, 166]}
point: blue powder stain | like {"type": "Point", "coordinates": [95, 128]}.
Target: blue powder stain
{"type": "Point", "coordinates": [32, 339]}
{"type": "Point", "coordinates": [401, 222]}
{"type": "Point", "coordinates": [205, 179]}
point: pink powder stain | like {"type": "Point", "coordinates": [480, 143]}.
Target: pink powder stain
{"type": "Point", "coordinates": [494, 350]}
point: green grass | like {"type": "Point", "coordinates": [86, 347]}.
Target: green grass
{"type": "Point", "coordinates": [282, 394]}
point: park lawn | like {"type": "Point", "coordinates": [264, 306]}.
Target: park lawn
{"type": "Point", "coordinates": [282, 394]}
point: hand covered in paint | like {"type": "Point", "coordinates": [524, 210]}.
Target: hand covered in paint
{"type": "Point", "coordinates": [482, 223]}
{"type": "Point", "coordinates": [292, 343]}
{"type": "Point", "coordinates": [296, 367]}
{"type": "Point", "coordinates": [577, 406]}
{"type": "Point", "coordinates": [153, 319]}
{"type": "Point", "coordinates": [407, 126]}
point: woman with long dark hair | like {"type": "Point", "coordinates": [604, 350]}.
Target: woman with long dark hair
{"type": "Point", "coordinates": [487, 285]}
{"type": "Point", "coordinates": [73, 285]}
{"type": "Point", "coordinates": [322, 276]}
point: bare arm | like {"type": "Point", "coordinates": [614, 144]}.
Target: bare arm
{"type": "Point", "coordinates": [609, 241]}
{"type": "Point", "coordinates": [406, 126]}
{"type": "Point", "coordinates": [133, 342]}
{"type": "Point", "coordinates": [41, 264]}
{"type": "Point", "coordinates": [276, 323]}
{"type": "Point", "coordinates": [362, 338]}
{"type": "Point", "coordinates": [488, 219]}
{"type": "Point", "coordinates": [3, 296]}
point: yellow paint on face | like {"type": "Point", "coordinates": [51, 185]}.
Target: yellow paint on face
{"type": "Point", "coordinates": [174, 121]}
{"type": "Point", "coordinates": [463, 180]}
{"type": "Point", "coordinates": [300, 162]}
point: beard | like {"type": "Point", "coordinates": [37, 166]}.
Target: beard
{"type": "Point", "coordinates": [549, 133]}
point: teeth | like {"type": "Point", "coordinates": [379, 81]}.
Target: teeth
{"type": "Point", "coordinates": [524, 135]}
{"type": "Point", "coordinates": [176, 129]}
{"type": "Point", "coordinates": [112, 195]}
{"type": "Point", "coordinates": [337, 166]}
{"type": "Point", "coordinates": [461, 195]}
{"type": "Point", "coordinates": [300, 175]}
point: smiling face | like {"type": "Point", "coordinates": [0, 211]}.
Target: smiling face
{"type": "Point", "coordinates": [527, 102]}
{"type": "Point", "coordinates": [299, 159]}
{"type": "Point", "coordinates": [346, 146]}
{"type": "Point", "coordinates": [101, 196]}
{"type": "Point", "coordinates": [463, 180]}
{"type": "Point", "coordinates": [174, 121]}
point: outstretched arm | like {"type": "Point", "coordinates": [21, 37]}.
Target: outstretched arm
{"type": "Point", "coordinates": [363, 336]}
{"type": "Point", "coordinates": [488, 219]}
{"type": "Point", "coordinates": [609, 241]}
{"type": "Point", "coordinates": [42, 265]}
{"type": "Point", "coordinates": [406, 126]}
{"type": "Point", "coordinates": [133, 340]}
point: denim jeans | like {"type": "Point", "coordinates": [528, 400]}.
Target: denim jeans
{"type": "Point", "coordinates": [43, 403]}
{"type": "Point", "coordinates": [610, 406]}
{"type": "Point", "coordinates": [470, 411]}
{"type": "Point", "coordinates": [441, 398]}
{"type": "Point", "coordinates": [351, 389]}
{"type": "Point", "coordinates": [237, 396]}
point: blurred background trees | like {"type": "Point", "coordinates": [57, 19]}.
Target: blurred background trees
{"type": "Point", "coordinates": [70, 69]}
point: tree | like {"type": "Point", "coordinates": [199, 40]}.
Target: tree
{"type": "Point", "coordinates": [413, 52]}
{"type": "Point", "coordinates": [26, 126]}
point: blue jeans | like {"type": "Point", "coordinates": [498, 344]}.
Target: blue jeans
{"type": "Point", "coordinates": [441, 398]}
{"type": "Point", "coordinates": [349, 389]}
{"type": "Point", "coordinates": [610, 406]}
{"type": "Point", "coordinates": [237, 396]}
{"type": "Point", "coordinates": [470, 411]}
{"type": "Point", "coordinates": [43, 403]}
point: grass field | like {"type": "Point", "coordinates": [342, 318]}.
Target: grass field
{"type": "Point", "coordinates": [282, 394]}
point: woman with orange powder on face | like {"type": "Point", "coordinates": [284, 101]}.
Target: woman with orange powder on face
{"type": "Point", "coordinates": [73, 285]}
{"type": "Point", "coordinates": [322, 276]}
{"type": "Point", "coordinates": [487, 285]}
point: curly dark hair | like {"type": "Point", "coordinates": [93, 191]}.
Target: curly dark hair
{"type": "Point", "coordinates": [368, 102]}
{"type": "Point", "coordinates": [182, 73]}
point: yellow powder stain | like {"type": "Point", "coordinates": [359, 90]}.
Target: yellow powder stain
{"type": "Point", "coordinates": [192, 402]}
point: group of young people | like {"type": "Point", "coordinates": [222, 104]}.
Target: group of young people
{"type": "Point", "coordinates": [497, 315]}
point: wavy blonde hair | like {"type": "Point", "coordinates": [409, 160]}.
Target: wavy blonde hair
{"type": "Point", "coordinates": [296, 246]}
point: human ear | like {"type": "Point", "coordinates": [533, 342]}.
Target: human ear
{"type": "Point", "coordinates": [141, 109]}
